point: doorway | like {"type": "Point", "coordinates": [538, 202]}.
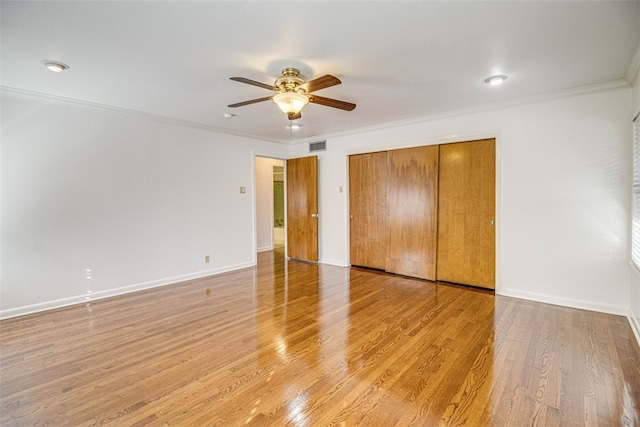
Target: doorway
{"type": "Point", "coordinates": [278, 206]}
{"type": "Point", "coordinates": [286, 206]}
{"type": "Point", "coordinates": [270, 205]}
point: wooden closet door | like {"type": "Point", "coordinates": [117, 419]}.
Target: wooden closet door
{"type": "Point", "coordinates": [367, 208]}
{"type": "Point", "coordinates": [412, 202]}
{"type": "Point", "coordinates": [302, 208]}
{"type": "Point", "coordinates": [466, 235]}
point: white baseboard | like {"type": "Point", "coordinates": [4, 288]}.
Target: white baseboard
{"type": "Point", "coordinates": [64, 302]}
{"type": "Point", "coordinates": [635, 325]}
{"type": "Point", "coordinates": [333, 262]}
{"type": "Point", "coordinates": [564, 302]}
{"type": "Point", "coordinates": [265, 249]}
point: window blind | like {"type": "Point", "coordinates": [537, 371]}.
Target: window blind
{"type": "Point", "coordinates": [635, 231]}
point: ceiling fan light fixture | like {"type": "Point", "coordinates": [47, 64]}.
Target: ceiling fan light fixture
{"type": "Point", "coordinates": [55, 66]}
{"type": "Point", "coordinates": [496, 80]}
{"type": "Point", "coordinates": [290, 102]}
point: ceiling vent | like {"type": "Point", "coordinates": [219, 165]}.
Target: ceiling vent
{"type": "Point", "coordinates": [317, 146]}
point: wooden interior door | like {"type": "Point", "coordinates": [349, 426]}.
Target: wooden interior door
{"type": "Point", "coordinates": [412, 203]}
{"type": "Point", "coordinates": [466, 220]}
{"type": "Point", "coordinates": [368, 209]}
{"type": "Point", "coordinates": [302, 208]}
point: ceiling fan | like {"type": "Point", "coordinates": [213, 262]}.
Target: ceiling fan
{"type": "Point", "coordinates": [293, 93]}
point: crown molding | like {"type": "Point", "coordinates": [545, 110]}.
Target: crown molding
{"type": "Point", "coordinates": [633, 72]}
{"type": "Point", "coordinates": [583, 90]}
{"type": "Point", "coordinates": [22, 93]}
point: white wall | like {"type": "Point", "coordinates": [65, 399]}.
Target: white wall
{"type": "Point", "coordinates": [136, 201]}
{"type": "Point", "coordinates": [264, 201]}
{"type": "Point", "coordinates": [636, 99]}
{"type": "Point", "coordinates": [563, 181]}
{"type": "Point", "coordinates": [634, 302]}
{"type": "Point", "coordinates": [634, 294]}
{"type": "Point", "coordinates": [141, 202]}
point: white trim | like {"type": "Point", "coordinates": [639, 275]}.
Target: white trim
{"type": "Point", "coordinates": [564, 302]}
{"type": "Point", "coordinates": [634, 320]}
{"type": "Point", "coordinates": [333, 262]}
{"type": "Point", "coordinates": [584, 90]}
{"type": "Point", "coordinates": [254, 212]}
{"type": "Point", "coordinates": [21, 93]}
{"type": "Point", "coordinates": [497, 233]}
{"type": "Point", "coordinates": [635, 325]}
{"type": "Point", "coordinates": [79, 299]}
{"type": "Point", "coordinates": [346, 211]}
{"type": "Point", "coordinates": [634, 267]}
{"type": "Point", "coordinates": [254, 207]}
{"type": "Point", "coordinates": [601, 87]}
{"type": "Point", "coordinates": [634, 68]}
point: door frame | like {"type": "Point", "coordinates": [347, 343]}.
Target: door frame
{"type": "Point", "coordinates": [254, 176]}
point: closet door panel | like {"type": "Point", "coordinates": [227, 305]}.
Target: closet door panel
{"type": "Point", "coordinates": [367, 208]}
{"type": "Point", "coordinates": [412, 202]}
{"type": "Point", "coordinates": [466, 220]}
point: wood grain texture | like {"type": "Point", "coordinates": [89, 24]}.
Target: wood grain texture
{"type": "Point", "coordinates": [319, 83]}
{"type": "Point", "coordinates": [291, 343]}
{"type": "Point", "coordinates": [466, 235]}
{"type": "Point", "coordinates": [302, 204]}
{"type": "Point", "coordinates": [329, 102]}
{"type": "Point", "coordinates": [412, 204]}
{"type": "Point", "coordinates": [368, 209]}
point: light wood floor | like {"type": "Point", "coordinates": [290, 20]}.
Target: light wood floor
{"type": "Point", "coordinates": [291, 343]}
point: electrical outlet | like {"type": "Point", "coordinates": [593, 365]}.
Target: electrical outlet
{"type": "Point", "coordinates": [206, 259]}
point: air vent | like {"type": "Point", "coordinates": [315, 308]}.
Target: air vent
{"type": "Point", "coordinates": [317, 146]}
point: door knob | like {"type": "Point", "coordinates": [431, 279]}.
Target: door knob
{"type": "Point", "coordinates": [314, 215]}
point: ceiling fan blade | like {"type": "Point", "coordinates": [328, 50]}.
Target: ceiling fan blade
{"type": "Point", "coordinates": [294, 116]}
{"type": "Point", "coordinates": [253, 83]}
{"type": "Point", "coordinates": [253, 101]}
{"type": "Point", "coordinates": [343, 105]}
{"type": "Point", "coordinates": [320, 83]}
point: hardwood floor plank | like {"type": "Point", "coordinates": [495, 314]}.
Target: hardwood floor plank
{"type": "Point", "coordinates": [292, 343]}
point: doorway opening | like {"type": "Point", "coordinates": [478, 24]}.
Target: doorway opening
{"type": "Point", "coordinates": [270, 203]}
{"type": "Point", "coordinates": [278, 206]}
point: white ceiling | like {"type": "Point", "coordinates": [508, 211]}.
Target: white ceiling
{"type": "Point", "coordinates": [397, 60]}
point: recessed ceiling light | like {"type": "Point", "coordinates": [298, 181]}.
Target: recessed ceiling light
{"type": "Point", "coordinates": [229, 116]}
{"type": "Point", "coordinates": [293, 126]}
{"type": "Point", "coordinates": [55, 66]}
{"type": "Point", "coordinates": [495, 80]}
